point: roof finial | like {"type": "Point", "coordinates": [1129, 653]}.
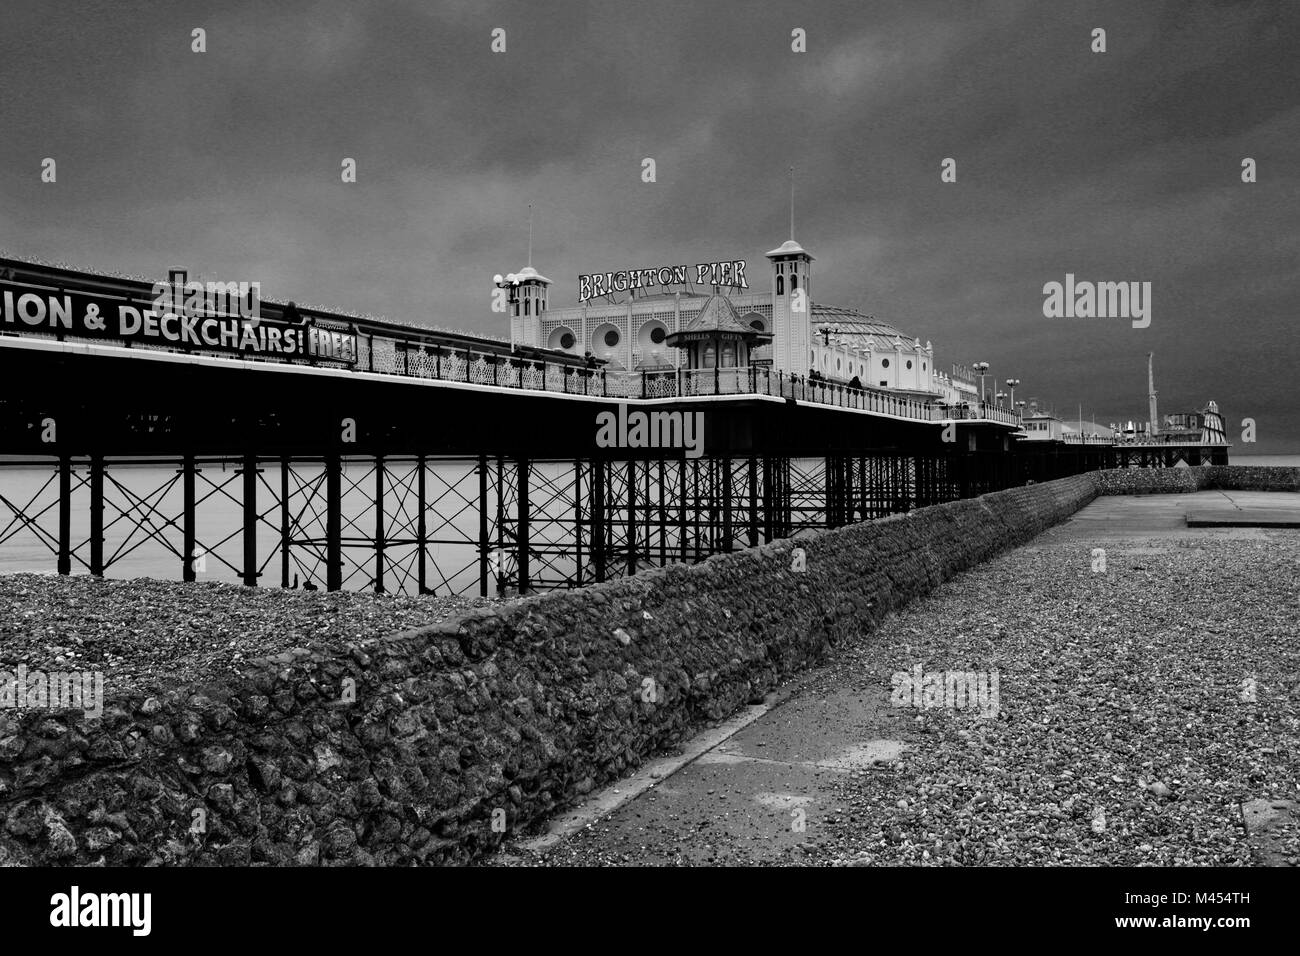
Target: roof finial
{"type": "Point", "coordinates": [530, 235]}
{"type": "Point", "coordinates": [791, 203]}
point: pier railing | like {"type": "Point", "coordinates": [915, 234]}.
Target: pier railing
{"type": "Point", "coordinates": [1087, 440]}
{"type": "Point", "coordinates": [420, 357]}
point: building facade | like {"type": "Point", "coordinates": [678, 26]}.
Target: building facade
{"type": "Point", "coordinates": [794, 333]}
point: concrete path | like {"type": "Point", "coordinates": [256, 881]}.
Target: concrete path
{"type": "Point", "coordinates": [775, 787]}
{"type": "Point", "coordinates": [754, 796]}
{"type": "Point", "coordinates": [1135, 517]}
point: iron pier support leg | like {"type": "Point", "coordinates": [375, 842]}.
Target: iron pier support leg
{"type": "Point", "coordinates": [786, 500]}
{"type": "Point", "coordinates": [663, 513]}
{"type": "Point", "coordinates": [728, 534]}
{"type": "Point", "coordinates": [631, 517]}
{"type": "Point", "coordinates": [498, 561]}
{"type": "Point", "coordinates": [188, 531]}
{"type": "Point", "coordinates": [65, 514]}
{"type": "Point", "coordinates": [577, 522]}
{"type": "Point", "coordinates": [598, 519]}
{"type": "Point", "coordinates": [767, 500]}
{"type": "Point", "coordinates": [250, 520]}
{"type": "Point", "coordinates": [379, 524]}
{"type": "Point", "coordinates": [683, 535]}
{"type": "Point", "coordinates": [483, 543]}
{"type": "Point", "coordinates": [524, 582]}
{"type": "Point", "coordinates": [422, 529]}
{"type": "Point", "coordinates": [286, 528]}
{"type": "Point", "coordinates": [97, 515]}
{"type": "Point", "coordinates": [333, 523]}
{"type": "Point", "coordinates": [830, 474]}
{"type": "Point", "coordinates": [753, 497]}
{"type": "Point", "coordinates": [847, 517]}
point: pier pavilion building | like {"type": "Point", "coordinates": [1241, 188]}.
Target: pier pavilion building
{"type": "Point", "coordinates": [631, 320]}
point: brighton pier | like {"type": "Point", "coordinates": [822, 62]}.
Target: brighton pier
{"type": "Point", "coordinates": [397, 457]}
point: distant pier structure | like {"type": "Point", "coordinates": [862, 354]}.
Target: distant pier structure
{"type": "Point", "coordinates": [1185, 438]}
{"type": "Point", "coordinates": [301, 444]}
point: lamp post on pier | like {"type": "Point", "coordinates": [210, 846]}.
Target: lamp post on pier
{"type": "Point", "coordinates": [982, 368]}
{"type": "Point", "coordinates": [1011, 384]}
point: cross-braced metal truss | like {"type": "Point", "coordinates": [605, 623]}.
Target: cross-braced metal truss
{"type": "Point", "coordinates": [418, 524]}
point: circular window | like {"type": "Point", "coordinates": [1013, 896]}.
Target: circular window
{"type": "Point", "coordinates": [909, 364]}
{"type": "Point", "coordinates": [611, 338]}
{"type": "Point", "coordinates": [885, 362]}
{"type": "Point", "coordinates": [657, 335]}
{"type": "Point", "coordinates": [837, 365]}
{"type": "Point", "coordinates": [922, 366]}
{"type": "Point", "coordinates": [567, 340]}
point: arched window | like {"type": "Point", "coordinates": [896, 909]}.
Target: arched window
{"type": "Point", "coordinates": [780, 285]}
{"type": "Point", "coordinates": [794, 281]}
{"type": "Point", "coordinates": [709, 357]}
{"type": "Point", "coordinates": [526, 302]}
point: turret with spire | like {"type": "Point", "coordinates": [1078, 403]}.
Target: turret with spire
{"type": "Point", "coordinates": [526, 297]}
{"type": "Point", "coordinates": [791, 301]}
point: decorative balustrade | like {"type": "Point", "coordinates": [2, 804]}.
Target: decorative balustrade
{"type": "Point", "coordinates": [762, 380]}
{"type": "Point", "coordinates": [1075, 439]}
{"type": "Point", "coordinates": [414, 358]}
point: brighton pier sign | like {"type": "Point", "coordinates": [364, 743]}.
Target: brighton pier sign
{"type": "Point", "coordinates": [27, 309]}
{"type": "Point", "coordinates": [730, 274]}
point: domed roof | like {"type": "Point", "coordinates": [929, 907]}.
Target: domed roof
{"type": "Point", "coordinates": [789, 248]}
{"type": "Point", "coordinates": [865, 329]}
{"type": "Point", "coordinates": [525, 274]}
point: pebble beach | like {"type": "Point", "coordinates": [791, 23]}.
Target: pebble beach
{"type": "Point", "coordinates": [144, 633]}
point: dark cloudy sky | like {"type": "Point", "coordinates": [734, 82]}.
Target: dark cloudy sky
{"type": "Point", "coordinates": [1117, 166]}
